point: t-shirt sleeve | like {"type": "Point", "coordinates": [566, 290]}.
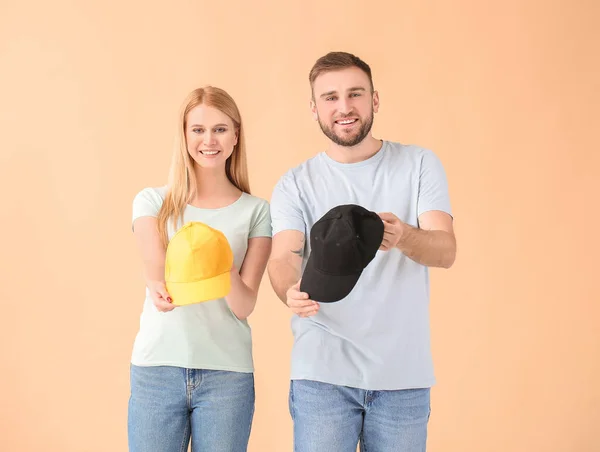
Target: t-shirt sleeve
{"type": "Point", "coordinates": [261, 226]}
{"type": "Point", "coordinates": [433, 185]}
{"type": "Point", "coordinates": [146, 203]}
{"type": "Point", "coordinates": [285, 206]}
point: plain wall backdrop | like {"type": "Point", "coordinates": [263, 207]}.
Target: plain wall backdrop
{"type": "Point", "coordinates": [507, 95]}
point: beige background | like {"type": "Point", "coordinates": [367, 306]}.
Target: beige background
{"type": "Point", "coordinates": [506, 93]}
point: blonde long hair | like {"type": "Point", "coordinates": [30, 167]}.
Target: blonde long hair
{"type": "Point", "coordinates": [182, 178]}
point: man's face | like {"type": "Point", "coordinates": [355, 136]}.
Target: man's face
{"type": "Point", "coordinates": [344, 105]}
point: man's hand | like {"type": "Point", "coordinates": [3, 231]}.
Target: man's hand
{"type": "Point", "coordinates": [432, 243]}
{"type": "Point", "coordinates": [160, 296]}
{"type": "Point", "coordinates": [393, 230]}
{"type": "Point", "coordinates": [299, 302]}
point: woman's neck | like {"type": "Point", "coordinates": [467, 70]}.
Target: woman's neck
{"type": "Point", "coordinates": [214, 189]}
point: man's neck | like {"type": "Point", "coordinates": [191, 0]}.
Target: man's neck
{"type": "Point", "coordinates": [364, 150]}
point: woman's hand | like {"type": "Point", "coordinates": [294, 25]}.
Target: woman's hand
{"type": "Point", "coordinates": [160, 296]}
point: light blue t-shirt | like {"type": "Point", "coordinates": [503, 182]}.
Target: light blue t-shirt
{"type": "Point", "coordinates": [203, 335]}
{"type": "Point", "coordinates": [378, 337]}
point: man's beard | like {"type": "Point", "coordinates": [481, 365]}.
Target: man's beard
{"type": "Point", "coordinates": [351, 140]}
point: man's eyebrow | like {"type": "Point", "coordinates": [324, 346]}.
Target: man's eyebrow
{"type": "Point", "coordinates": [328, 93]}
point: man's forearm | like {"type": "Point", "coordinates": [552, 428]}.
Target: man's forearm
{"type": "Point", "coordinates": [283, 275]}
{"type": "Point", "coordinates": [430, 248]}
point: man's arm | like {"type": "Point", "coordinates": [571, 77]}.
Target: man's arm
{"type": "Point", "coordinates": [285, 263]}
{"type": "Point", "coordinates": [432, 244]}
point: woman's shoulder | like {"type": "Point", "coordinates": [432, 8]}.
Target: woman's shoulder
{"type": "Point", "coordinates": [149, 196]}
{"type": "Point", "coordinates": [257, 212]}
{"type": "Point", "coordinates": [256, 202]}
{"type": "Point", "coordinates": [152, 192]}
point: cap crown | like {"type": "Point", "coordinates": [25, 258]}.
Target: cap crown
{"type": "Point", "coordinates": [197, 252]}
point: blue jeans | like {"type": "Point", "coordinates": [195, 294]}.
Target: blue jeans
{"type": "Point", "coordinates": [168, 405]}
{"type": "Point", "coordinates": [330, 418]}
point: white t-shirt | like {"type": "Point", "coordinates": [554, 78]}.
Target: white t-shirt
{"type": "Point", "coordinates": [205, 335]}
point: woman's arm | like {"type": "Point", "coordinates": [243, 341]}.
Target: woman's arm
{"type": "Point", "coordinates": [245, 283]}
{"type": "Point", "coordinates": [153, 258]}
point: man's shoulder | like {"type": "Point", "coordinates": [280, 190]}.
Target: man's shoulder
{"type": "Point", "coordinates": [301, 170]}
{"type": "Point", "coordinates": [412, 151]}
{"type": "Point", "coordinates": [307, 165]}
{"type": "Point", "coordinates": [410, 156]}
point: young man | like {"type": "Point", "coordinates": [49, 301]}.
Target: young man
{"type": "Point", "coordinates": [361, 362]}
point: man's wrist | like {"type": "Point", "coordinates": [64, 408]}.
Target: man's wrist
{"type": "Point", "coordinates": [403, 233]}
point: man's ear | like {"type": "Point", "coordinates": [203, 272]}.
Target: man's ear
{"type": "Point", "coordinates": [313, 109]}
{"type": "Point", "coordinates": [375, 101]}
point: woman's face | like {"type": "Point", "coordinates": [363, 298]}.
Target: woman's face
{"type": "Point", "coordinates": [210, 135]}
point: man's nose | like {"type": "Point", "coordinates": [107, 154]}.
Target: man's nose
{"type": "Point", "coordinates": [344, 106]}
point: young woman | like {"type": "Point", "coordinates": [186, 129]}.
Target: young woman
{"type": "Point", "coordinates": [192, 367]}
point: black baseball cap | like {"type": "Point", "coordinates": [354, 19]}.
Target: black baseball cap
{"type": "Point", "coordinates": [343, 242]}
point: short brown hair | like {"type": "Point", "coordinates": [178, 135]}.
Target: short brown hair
{"type": "Point", "coordinates": [335, 61]}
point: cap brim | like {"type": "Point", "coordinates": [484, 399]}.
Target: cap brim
{"type": "Point", "coordinates": [325, 288]}
{"type": "Point", "coordinates": [199, 291]}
